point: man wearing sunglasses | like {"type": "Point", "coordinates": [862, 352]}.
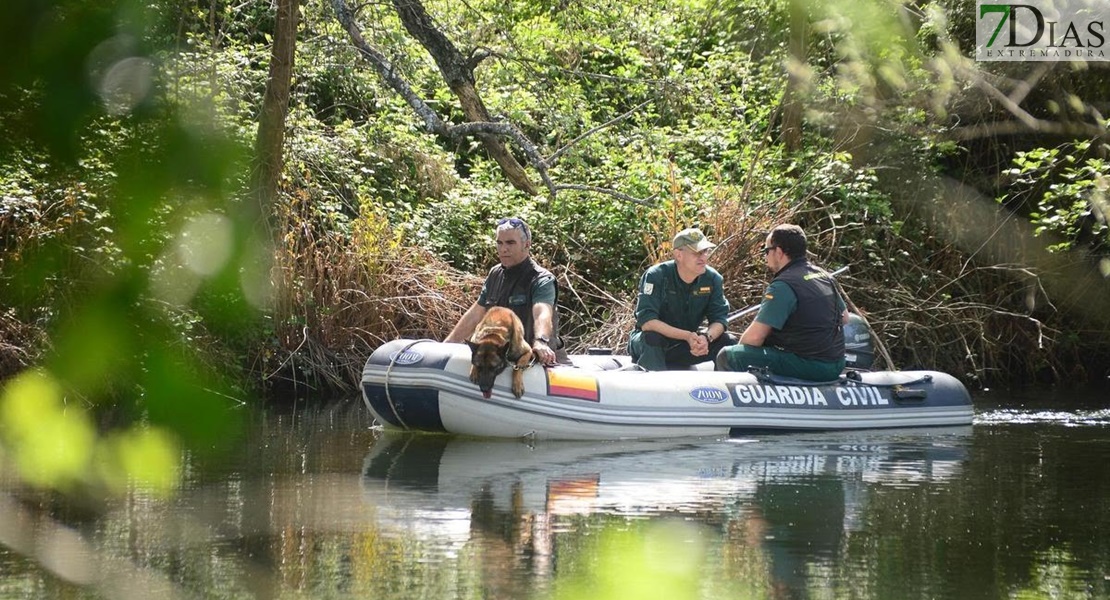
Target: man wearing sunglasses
{"type": "Point", "coordinates": [521, 285]}
{"type": "Point", "coordinates": [799, 329]}
{"type": "Point", "coordinates": [674, 298]}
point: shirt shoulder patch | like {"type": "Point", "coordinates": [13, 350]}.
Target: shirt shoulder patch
{"type": "Point", "coordinates": [649, 288]}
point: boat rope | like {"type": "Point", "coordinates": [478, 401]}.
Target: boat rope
{"type": "Point", "coordinates": [851, 378]}
{"type": "Point", "coordinates": [389, 370]}
{"type": "Point", "coordinates": [923, 379]}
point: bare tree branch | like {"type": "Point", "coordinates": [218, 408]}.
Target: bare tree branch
{"type": "Point", "coordinates": [555, 156]}
{"type": "Point", "coordinates": [385, 70]}
{"type": "Point", "coordinates": [1009, 104]}
{"type": "Point", "coordinates": [1026, 122]}
{"type": "Point", "coordinates": [511, 131]}
{"type": "Point", "coordinates": [1023, 87]}
{"type": "Point", "coordinates": [459, 75]}
{"type": "Point", "coordinates": [608, 192]}
{"type": "Point", "coordinates": [998, 128]}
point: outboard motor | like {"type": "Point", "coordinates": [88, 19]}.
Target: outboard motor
{"type": "Point", "coordinates": [859, 351]}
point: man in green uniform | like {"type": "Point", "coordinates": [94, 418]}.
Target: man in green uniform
{"type": "Point", "coordinates": [675, 297]}
{"type": "Point", "coordinates": [799, 330]}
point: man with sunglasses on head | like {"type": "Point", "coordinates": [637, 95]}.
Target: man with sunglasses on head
{"type": "Point", "coordinates": [799, 329]}
{"type": "Point", "coordinates": [524, 287]}
{"type": "Point", "coordinates": [674, 298]}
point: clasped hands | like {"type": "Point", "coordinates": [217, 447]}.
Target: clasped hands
{"type": "Point", "coordinates": [699, 343]}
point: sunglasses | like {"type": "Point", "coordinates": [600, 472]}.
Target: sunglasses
{"type": "Point", "coordinates": [767, 250]}
{"type": "Point", "coordinates": [515, 223]}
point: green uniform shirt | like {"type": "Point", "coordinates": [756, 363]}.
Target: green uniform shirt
{"type": "Point", "coordinates": [664, 296]}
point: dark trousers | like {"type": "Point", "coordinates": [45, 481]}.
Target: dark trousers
{"type": "Point", "coordinates": [654, 352]}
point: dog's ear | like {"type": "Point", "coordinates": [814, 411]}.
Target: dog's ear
{"type": "Point", "coordinates": [473, 346]}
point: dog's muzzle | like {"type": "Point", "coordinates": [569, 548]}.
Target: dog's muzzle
{"type": "Point", "coordinates": [487, 376]}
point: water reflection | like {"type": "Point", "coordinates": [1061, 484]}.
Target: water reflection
{"type": "Point", "coordinates": [773, 510]}
{"type": "Point", "coordinates": [316, 504]}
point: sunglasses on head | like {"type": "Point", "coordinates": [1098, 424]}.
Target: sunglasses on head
{"type": "Point", "coordinates": [515, 223]}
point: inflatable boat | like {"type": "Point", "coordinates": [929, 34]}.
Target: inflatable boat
{"type": "Point", "coordinates": [422, 385]}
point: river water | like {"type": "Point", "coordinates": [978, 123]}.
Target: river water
{"type": "Point", "coordinates": [317, 504]}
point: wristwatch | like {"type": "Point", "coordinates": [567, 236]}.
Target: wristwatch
{"type": "Point", "coordinates": [544, 339]}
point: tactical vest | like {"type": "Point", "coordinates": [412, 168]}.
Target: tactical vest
{"type": "Point", "coordinates": [512, 288]}
{"type": "Point", "coordinates": [814, 330]}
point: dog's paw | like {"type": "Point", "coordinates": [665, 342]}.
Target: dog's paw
{"type": "Point", "coordinates": [518, 385]}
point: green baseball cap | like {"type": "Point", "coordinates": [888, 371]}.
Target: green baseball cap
{"type": "Point", "coordinates": [692, 237]}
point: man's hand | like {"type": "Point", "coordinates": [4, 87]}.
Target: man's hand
{"type": "Point", "coordinates": [543, 353]}
{"type": "Point", "coordinates": [699, 344]}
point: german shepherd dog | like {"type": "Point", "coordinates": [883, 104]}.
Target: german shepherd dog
{"type": "Point", "coordinates": [498, 340]}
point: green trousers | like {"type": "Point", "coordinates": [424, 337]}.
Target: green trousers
{"type": "Point", "coordinates": [741, 357]}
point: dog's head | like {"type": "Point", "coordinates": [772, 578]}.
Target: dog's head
{"type": "Point", "coordinates": [488, 360]}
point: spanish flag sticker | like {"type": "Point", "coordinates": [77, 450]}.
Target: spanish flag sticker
{"type": "Point", "coordinates": [570, 384]}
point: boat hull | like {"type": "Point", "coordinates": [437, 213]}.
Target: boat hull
{"type": "Point", "coordinates": [424, 386]}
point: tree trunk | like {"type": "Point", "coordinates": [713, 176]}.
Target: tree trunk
{"type": "Point", "coordinates": [459, 75]}
{"type": "Point", "coordinates": [270, 141]}
{"type": "Point", "coordinates": [793, 107]}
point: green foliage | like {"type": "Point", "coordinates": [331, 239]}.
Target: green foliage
{"type": "Point", "coordinates": [127, 235]}
{"type": "Point", "coordinates": [696, 98]}
{"type": "Point", "coordinates": [382, 162]}
{"type": "Point", "coordinates": [833, 181]}
{"type": "Point", "coordinates": [1068, 194]}
{"type": "Point", "coordinates": [638, 562]}
{"type": "Point", "coordinates": [112, 231]}
{"type": "Point", "coordinates": [1053, 576]}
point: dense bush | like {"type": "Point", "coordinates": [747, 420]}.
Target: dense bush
{"type": "Point", "coordinates": [383, 229]}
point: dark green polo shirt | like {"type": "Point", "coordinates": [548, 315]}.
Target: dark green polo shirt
{"type": "Point", "coordinates": [664, 296]}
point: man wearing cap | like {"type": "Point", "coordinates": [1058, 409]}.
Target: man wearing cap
{"type": "Point", "coordinates": [674, 298]}
{"type": "Point", "coordinates": [520, 284]}
{"type": "Point", "coordinates": [799, 330]}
